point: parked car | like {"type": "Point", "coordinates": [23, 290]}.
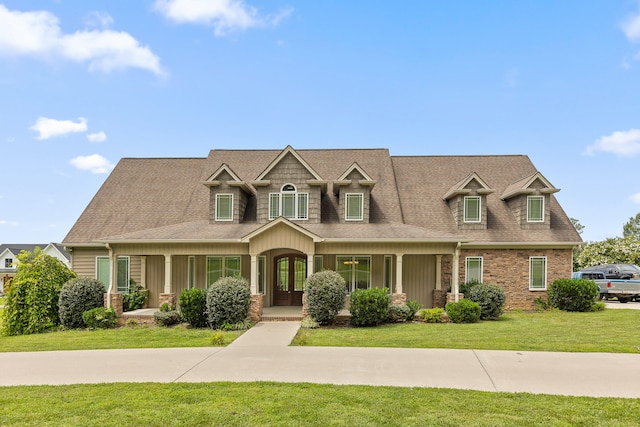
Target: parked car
{"type": "Point", "coordinates": [616, 271]}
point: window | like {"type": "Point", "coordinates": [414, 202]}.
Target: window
{"type": "Point", "coordinates": [535, 209]}
{"type": "Point", "coordinates": [218, 266]}
{"type": "Point", "coordinates": [355, 270]}
{"type": "Point", "coordinates": [224, 207]}
{"type": "Point", "coordinates": [538, 273]}
{"type": "Point", "coordinates": [8, 262]}
{"type": "Point", "coordinates": [191, 272]}
{"type": "Point", "coordinates": [103, 272]}
{"type": "Point", "coordinates": [388, 272]}
{"type": "Point", "coordinates": [262, 273]}
{"type": "Point", "coordinates": [472, 209]}
{"type": "Point", "coordinates": [473, 269]}
{"type": "Point", "coordinates": [289, 203]}
{"type": "Point", "coordinates": [318, 263]}
{"type": "Point", "coordinates": [353, 207]}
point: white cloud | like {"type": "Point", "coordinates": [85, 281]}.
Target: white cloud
{"type": "Point", "coordinates": [97, 137]}
{"type": "Point", "coordinates": [10, 223]}
{"type": "Point", "coordinates": [621, 143]}
{"type": "Point", "coordinates": [94, 163]}
{"type": "Point", "coordinates": [48, 128]}
{"type": "Point", "coordinates": [38, 34]}
{"type": "Point", "coordinates": [98, 20]}
{"type": "Point", "coordinates": [635, 198]}
{"type": "Point", "coordinates": [225, 16]}
{"type": "Point", "coordinates": [631, 28]}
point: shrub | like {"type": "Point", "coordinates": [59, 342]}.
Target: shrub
{"type": "Point", "coordinates": [325, 292]}
{"type": "Point", "coordinates": [165, 306]}
{"type": "Point", "coordinates": [540, 304]}
{"type": "Point", "coordinates": [32, 301]}
{"type": "Point", "coordinates": [228, 300]}
{"type": "Point", "coordinates": [369, 306]}
{"type": "Point", "coordinates": [309, 323]}
{"type": "Point", "coordinates": [167, 318]}
{"type": "Point", "coordinates": [218, 338]}
{"type": "Point", "coordinates": [100, 318]}
{"type": "Point", "coordinates": [463, 311]}
{"type": "Point", "coordinates": [491, 299]}
{"type": "Point", "coordinates": [193, 306]}
{"type": "Point", "coordinates": [414, 307]}
{"type": "Point", "coordinates": [243, 325]}
{"type": "Point", "coordinates": [77, 296]}
{"type": "Point", "coordinates": [598, 306]}
{"type": "Point", "coordinates": [398, 313]}
{"type": "Point", "coordinates": [136, 298]}
{"type": "Point", "coordinates": [433, 315]}
{"type": "Point", "coordinates": [573, 294]}
{"type": "Point", "coordinates": [465, 288]}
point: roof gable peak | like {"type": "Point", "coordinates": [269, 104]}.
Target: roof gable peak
{"type": "Point", "coordinates": [461, 187]}
{"type": "Point", "coordinates": [524, 186]}
{"type": "Point", "coordinates": [289, 150]}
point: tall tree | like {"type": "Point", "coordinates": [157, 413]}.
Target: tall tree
{"type": "Point", "coordinates": [576, 224]}
{"type": "Point", "coordinates": [632, 228]}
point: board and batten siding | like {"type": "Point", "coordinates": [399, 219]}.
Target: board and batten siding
{"type": "Point", "coordinates": [83, 262]}
{"type": "Point", "coordinates": [419, 278]}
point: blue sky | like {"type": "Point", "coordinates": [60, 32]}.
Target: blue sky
{"type": "Point", "coordinates": [83, 84]}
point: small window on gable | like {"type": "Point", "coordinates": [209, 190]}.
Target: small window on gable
{"type": "Point", "coordinates": [472, 209]}
{"type": "Point", "coordinates": [354, 207]}
{"type": "Point", "coordinates": [473, 269]}
{"type": "Point", "coordinates": [224, 207]}
{"type": "Point", "coordinates": [535, 208]}
{"type": "Point", "coordinates": [288, 203]}
{"type": "Point", "coordinates": [8, 262]}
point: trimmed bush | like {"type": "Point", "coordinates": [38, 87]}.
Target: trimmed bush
{"type": "Point", "coordinates": [573, 294]}
{"type": "Point", "coordinates": [136, 298]}
{"type": "Point", "coordinates": [433, 315]}
{"type": "Point", "coordinates": [77, 296]}
{"type": "Point", "coordinates": [167, 318]}
{"type": "Point", "coordinates": [463, 311]}
{"type": "Point", "coordinates": [325, 292]}
{"type": "Point", "coordinates": [414, 307]}
{"type": "Point", "coordinates": [193, 307]}
{"type": "Point", "coordinates": [465, 288]}
{"type": "Point", "coordinates": [369, 307]}
{"type": "Point", "coordinates": [491, 299]}
{"type": "Point", "coordinates": [398, 313]}
{"type": "Point", "coordinates": [100, 318]}
{"type": "Point", "coordinates": [228, 301]}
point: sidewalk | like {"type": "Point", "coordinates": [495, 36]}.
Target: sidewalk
{"type": "Point", "coordinates": [263, 354]}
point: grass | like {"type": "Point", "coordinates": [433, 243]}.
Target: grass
{"type": "Point", "coordinates": [125, 337]}
{"type": "Point", "coordinates": [609, 331]}
{"type": "Point", "coordinates": [271, 404]}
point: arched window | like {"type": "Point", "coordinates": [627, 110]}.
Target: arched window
{"type": "Point", "coordinates": [288, 203]}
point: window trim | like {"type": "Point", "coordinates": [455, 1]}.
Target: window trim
{"type": "Point", "coordinates": [299, 198]}
{"type": "Point", "coordinates": [465, 216]}
{"type": "Point", "coordinates": [466, 268]}
{"type": "Point", "coordinates": [531, 287]}
{"type": "Point", "coordinates": [8, 263]}
{"type": "Point", "coordinates": [351, 286]}
{"type": "Point", "coordinates": [224, 266]}
{"type": "Point", "coordinates": [529, 200]}
{"type": "Point", "coordinates": [191, 272]}
{"type": "Point", "coordinates": [359, 217]}
{"type": "Point", "coordinates": [387, 274]}
{"type": "Point", "coordinates": [318, 263]}
{"type": "Point", "coordinates": [119, 289]}
{"type": "Point", "coordinates": [218, 216]}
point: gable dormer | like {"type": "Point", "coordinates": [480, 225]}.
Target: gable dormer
{"type": "Point", "coordinates": [529, 200]}
{"type": "Point", "coordinates": [467, 200]}
{"type": "Point", "coordinates": [353, 189]}
{"type": "Point", "coordinates": [289, 187]}
{"type": "Point", "coordinates": [228, 196]}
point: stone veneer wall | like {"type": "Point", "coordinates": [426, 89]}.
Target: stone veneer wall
{"type": "Point", "coordinates": [116, 302]}
{"type": "Point", "coordinates": [509, 269]}
{"type": "Point", "coordinates": [171, 299]}
{"type": "Point", "coordinates": [255, 309]}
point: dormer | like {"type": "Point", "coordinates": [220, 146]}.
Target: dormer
{"type": "Point", "coordinates": [289, 187]}
{"type": "Point", "coordinates": [529, 200]}
{"type": "Point", "coordinates": [467, 200]}
{"type": "Point", "coordinates": [353, 189]}
{"type": "Point", "coordinates": [228, 196]}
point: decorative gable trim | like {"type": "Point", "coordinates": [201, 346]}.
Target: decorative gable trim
{"type": "Point", "coordinates": [460, 188]}
{"type": "Point", "coordinates": [212, 181]}
{"type": "Point", "coordinates": [281, 220]}
{"type": "Point", "coordinates": [523, 186]}
{"type": "Point", "coordinates": [289, 150]}
{"type": "Point", "coordinates": [342, 181]}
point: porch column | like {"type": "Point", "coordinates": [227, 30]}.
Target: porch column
{"type": "Point", "coordinates": [438, 272]}
{"type": "Point", "coordinates": [167, 273]}
{"type": "Point", "coordinates": [143, 271]}
{"type": "Point", "coordinates": [399, 273]}
{"type": "Point", "coordinates": [309, 264]}
{"type": "Point", "coordinates": [254, 274]}
{"type": "Point", "coordinates": [455, 273]}
{"type": "Point", "coordinates": [113, 277]}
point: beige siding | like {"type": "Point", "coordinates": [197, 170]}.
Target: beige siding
{"type": "Point", "coordinates": [155, 278]}
{"type": "Point", "coordinates": [374, 248]}
{"type": "Point", "coordinates": [83, 260]}
{"type": "Point", "coordinates": [419, 278]}
{"type": "Point", "coordinates": [281, 236]}
{"type": "Point", "coordinates": [183, 249]}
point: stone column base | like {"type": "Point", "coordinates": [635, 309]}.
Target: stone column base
{"type": "Point", "coordinates": [116, 302]}
{"type": "Point", "coordinates": [255, 309]}
{"type": "Point", "coordinates": [451, 297]}
{"type": "Point", "coordinates": [398, 299]}
{"type": "Point", "coordinates": [439, 298]}
{"type": "Point", "coordinates": [171, 299]}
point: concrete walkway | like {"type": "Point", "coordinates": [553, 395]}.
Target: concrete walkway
{"type": "Point", "coordinates": [263, 354]}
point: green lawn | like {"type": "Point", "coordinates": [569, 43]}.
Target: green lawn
{"type": "Point", "coordinates": [271, 404]}
{"type": "Point", "coordinates": [125, 337]}
{"type": "Point", "coordinates": [610, 331]}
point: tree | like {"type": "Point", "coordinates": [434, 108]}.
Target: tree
{"type": "Point", "coordinates": [632, 227]}
{"type": "Point", "coordinates": [617, 250]}
{"type": "Point", "coordinates": [576, 223]}
{"type": "Point", "coordinates": [32, 302]}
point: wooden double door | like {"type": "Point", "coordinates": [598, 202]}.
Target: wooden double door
{"type": "Point", "coordinates": [290, 272]}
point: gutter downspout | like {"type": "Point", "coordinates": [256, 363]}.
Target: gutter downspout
{"type": "Point", "coordinates": [110, 287]}
{"type": "Point", "coordinates": [456, 272]}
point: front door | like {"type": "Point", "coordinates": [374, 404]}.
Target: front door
{"type": "Point", "coordinates": [290, 274]}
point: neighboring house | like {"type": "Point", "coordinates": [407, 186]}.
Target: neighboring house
{"type": "Point", "coordinates": [9, 258]}
{"type": "Point", "coordinates": [418, 225]}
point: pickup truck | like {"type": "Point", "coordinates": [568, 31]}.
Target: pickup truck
{"type": "Point", "coordinates": [624, 290]}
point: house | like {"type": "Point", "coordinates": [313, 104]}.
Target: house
{"type": "Point", "coordinates": [418, 225]}
{"type": "Point", "coordinates": [9, 258]}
